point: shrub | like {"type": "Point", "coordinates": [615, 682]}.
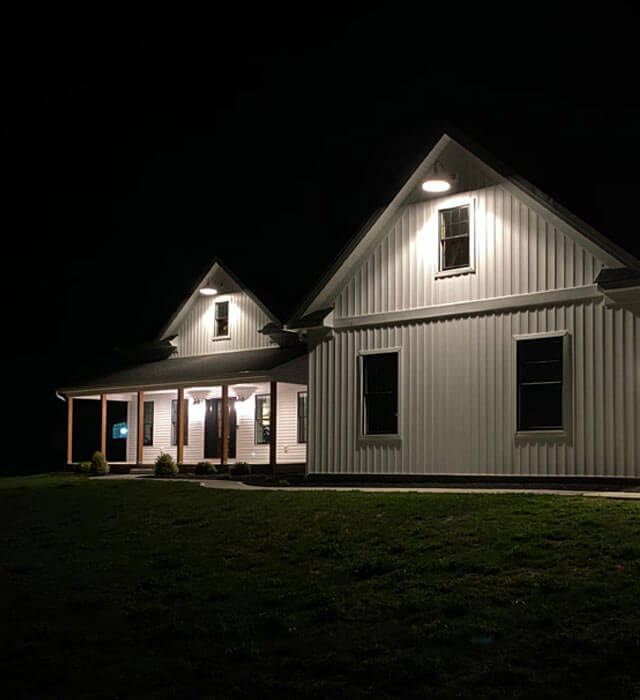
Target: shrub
{"type": "Point", "coordinates": [82, 468]}
{"type": "Point", "coordinates": [240, 468]}
{"type": "Point", "coordinates": [99, 464]}
{"type": "Point", "coordinates": [205, 468]}
{"type": "Point", "coordinates": [165, 466]}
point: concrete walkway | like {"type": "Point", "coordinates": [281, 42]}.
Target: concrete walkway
{"type": "Point", "coordinates": [224, 484]}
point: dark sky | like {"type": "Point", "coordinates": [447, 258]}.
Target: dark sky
{"type": "Point", "coordinates": [140, 141]}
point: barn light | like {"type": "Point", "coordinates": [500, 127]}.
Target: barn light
{"type": "Point", "coordinates": [208, 290]}
{"type": "Point", "coordinates": [439, 180]}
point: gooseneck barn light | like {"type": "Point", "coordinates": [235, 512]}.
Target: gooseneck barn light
{"type": "Point", "coordinates": [208, 290]}
{"type": "Point", "coordinates": [439, 179]}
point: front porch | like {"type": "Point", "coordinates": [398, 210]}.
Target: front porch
{"type": "Point", "coordinates": [252, 410]}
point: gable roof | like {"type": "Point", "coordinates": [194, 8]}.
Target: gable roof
{"type": "Point", "coordinates": [228, 280]}
{"type": "Point", "coordinates": [494, 172]}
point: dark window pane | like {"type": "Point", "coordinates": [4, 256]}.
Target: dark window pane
{"type": "Point", "coordinates": [302, 416]}
{"type": "Point", "coordinates": [455, 253]}
{"type": "Point", "coordinates": [540, 349]}
{"type": "Point", "coordinates": [380, 389]}
{"type": "Point", "coordinates": [382, 414]}
{"type": "Point", "coordinates": [147, 435]}
{"type": "Point", "coordinates": [541, 406]}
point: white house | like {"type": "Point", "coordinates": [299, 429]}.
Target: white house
{"type": "Point", "coordinates": [479, 329]}
{"type": "Point", "coordinates": [473, 327]}
{"type": "Point", "coordinates": [223, 383]}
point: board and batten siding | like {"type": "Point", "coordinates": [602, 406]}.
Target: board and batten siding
{"type": "Point", "coordinates": [517, 251]}
{"type": "Point", "coordinates": [456, 395]}
{"type": "Point", "coordinates": [246, 318]}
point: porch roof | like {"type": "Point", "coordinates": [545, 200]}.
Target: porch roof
{"type": "Point", "coordinates": [269, 364]}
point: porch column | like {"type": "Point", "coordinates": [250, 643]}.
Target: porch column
{"type": "Point", "coordinates": [103, 424]}
{"type": "Point", "coordinates": [140, 428]}
{"type": "Point", "coordinates": [272, 425]}
{"type": "Point", "coordinates": [180, 419]}
{"type": "Point", "coordinates": [224, 452]}
{"type": "Point", "coordinates": [69, 429]}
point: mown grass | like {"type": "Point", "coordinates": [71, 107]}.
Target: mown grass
{"type": "Point", "coordinates": [114, 589]}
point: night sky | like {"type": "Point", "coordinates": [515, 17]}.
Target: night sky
{"type": "Point", "coordinates": [139, 142]}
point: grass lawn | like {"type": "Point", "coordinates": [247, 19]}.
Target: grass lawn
{"type": "Point", "coordinates": [113, 589]}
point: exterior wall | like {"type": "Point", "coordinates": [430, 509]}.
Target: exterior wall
{"type": "Point", "coordinates": [457, 395]}
{"type": "Point", "coordinates": [246, 318]}
{"type": "Point", "coordinates": [288, 450]}
{"type": "Point", "coordinates": [516, 252]}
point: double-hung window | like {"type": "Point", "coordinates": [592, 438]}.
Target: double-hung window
{"type": "Point", "coordinates": [380, 393]}
{"type": "Point", "coordinates": [221, 319]}
{"type": "Point", "coordinates": [541, 383]}
{"type": "Point", "coordinates": [147, 434]}
{"type": "Point", "coordinates": [174, 421]}
{"type": "Point", "coordinates": [454, 226]}
{"type": "Point", "coordinates": [263, 419]}
{"type": "Point", "coordinates": [302, 416]}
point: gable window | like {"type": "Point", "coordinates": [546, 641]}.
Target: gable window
{"type": "Point", "coordinates": [221, 320]}
{"type": "Point", "coordinates": [302, 416]}
{"type": "Point", "coordinates": [147, 426]}
{"type": "Point", "coordinates": [174, 421]}
{"type": "Point", "coordinates": [454, 226]}
{"type": "Point", "coordinates": [540, 383]}
{"type": "Point", "coordinates": [380, 393]}
{"type": "Point", "coordinates": [263, 419]}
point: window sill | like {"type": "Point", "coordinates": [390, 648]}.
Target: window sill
{"type": "Point", "coordinates": [377, 439]}
{"type": "Point", "coordinates": [454, 272]}
{"type": "Point", "coordinates": [220, 337]}
{"type": "Point", "coordinates": [541, 434]}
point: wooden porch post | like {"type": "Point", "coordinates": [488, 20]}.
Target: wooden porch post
{"type": "Point", "coordinates": [180, 418]}
{"type": "Point", "coordinates": [140, 433]}
{"type": "Point", "coordinates": [103, 424]}
{"type": "Point", "coordinates": [272, 425]}
{"type": "Point", "coordinates": [69, 429]}
{"type": "Point", "coordinates": [224, 452]}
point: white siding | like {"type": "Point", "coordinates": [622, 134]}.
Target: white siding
{"type": "Point", "coordinates": [457, 384]}
{"type": "Point", "coordinates": [516, 251]}
{"type": "Point", "coordinates": [246, 318]}
{"type": "Point", "coordinates": [288, 449]}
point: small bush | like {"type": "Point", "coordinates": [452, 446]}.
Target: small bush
{"type": "Point", "coordinates": [82, 468]}
{"type": "Point", "coordinates": [205, 468]}
{"type": "Point", "coordinates": [165, 466]}
{"type": "Point", "coordinates": [99, 464]}
{"type": "Point", "coordinates": [240, 468]}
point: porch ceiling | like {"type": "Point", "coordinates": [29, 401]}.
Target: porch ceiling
{"type": "Point", "coordinates": [271, 364]}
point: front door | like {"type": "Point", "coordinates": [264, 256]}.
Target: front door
{"type": "Point", "coordinates": [213, 429]}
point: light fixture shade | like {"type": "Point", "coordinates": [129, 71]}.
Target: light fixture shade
{"type": "Point", "coordinates": [439, 180]}
{"type": "Point", "coordinates": [208, 289]}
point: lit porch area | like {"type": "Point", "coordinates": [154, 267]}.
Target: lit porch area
{"type": "Point", "coordinates": [248, 406]}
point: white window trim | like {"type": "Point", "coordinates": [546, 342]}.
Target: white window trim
{"type": "Point", "coordinates": [452, 203]}
{"type": "Point", "coordinates": [563, 434]}
{"type": "Point", "coordinates": [219, 300]}
{"type": "Point", "coordinates": [386, 437]}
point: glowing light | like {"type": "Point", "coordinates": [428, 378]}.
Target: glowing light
{"type": "Point", "coordinates": [436, 185]}
{"type": "Point", "coordinates": [124, 431]}
{"type": "Point", "coordinates": [208, 291]}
